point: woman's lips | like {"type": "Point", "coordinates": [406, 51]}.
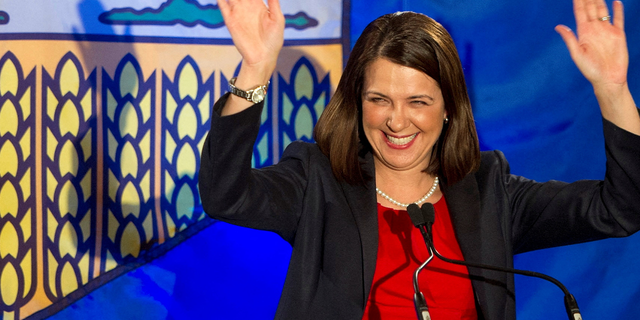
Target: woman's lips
{"type": "Point", "coordinates": [400, 142]}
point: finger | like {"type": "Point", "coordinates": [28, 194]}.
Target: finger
{"type": "Point", "coordinates": [224, 8]}
{"type": "Point", "coordinates": [579, 11]}
{"type": "Point", "coordinates": [601, 9]}
{"type": "Point", "coordinates": [618, 15]}
{"type": "Point", "coordinates": [274, 6]}
{"type": "Point", "coordinates": [569, 39]}
{"type": "Point", "coordinates": [591, 10]}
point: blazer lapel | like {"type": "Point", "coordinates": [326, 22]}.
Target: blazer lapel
{"type": "Point", "coordinates": [463, 201]}
{"type": "Point", "coordinates": [362, 202]}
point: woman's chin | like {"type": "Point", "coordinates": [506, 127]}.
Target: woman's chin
{"type": "Point", "coordinates": [401, 164]}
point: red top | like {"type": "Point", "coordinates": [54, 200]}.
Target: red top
{"type": "Point", "coordinates": [401, 250]}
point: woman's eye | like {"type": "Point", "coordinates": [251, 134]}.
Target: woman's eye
{"type": "Point", "coordinates": [419, 102]}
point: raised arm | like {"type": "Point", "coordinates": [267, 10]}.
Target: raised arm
{"type": "Point", "coordinates": [258, 34]}
{"type": "Point", "coordinates": [600, 52]}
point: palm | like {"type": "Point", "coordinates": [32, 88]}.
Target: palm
{"type": "Point", "coordinates": [257, 31]}
{"type": "Point", "coordinates": [600, 49]}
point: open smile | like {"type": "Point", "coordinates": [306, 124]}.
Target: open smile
{"type": "Point", "coordinates": [400, 142]}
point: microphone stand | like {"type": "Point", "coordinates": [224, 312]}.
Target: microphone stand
{"type": "Point", "coordinates": [570, 303]}
{"type": "Point", "coordinates": [422, 310]}
{"type": "Point", "coordinates": [418, 298]}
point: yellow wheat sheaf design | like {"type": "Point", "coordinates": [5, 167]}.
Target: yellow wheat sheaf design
{"type": "Point", "coordinates": [99, 150]}
{"type": "Point", "coordinates": [187, 100]}
{"type": "Point", "coordinates": [17, 166]}
{"type": "Point", "coordinates": [129, 128]}
{"type": "Point", "coordinates": [69, 116]}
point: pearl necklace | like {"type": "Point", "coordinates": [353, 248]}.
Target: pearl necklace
{"type": "Point", "coordinates": [421, 200]}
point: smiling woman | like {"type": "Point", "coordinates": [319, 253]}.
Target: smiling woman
{"type": "Point", "coordinates": [400, 122]}
{"type": "Point", "coordinates": [403, 117]}
{"type": "Point", "coordinates": [422, 45]}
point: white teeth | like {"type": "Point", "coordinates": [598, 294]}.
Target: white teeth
{"type": "Point", "coordinates": [401, 141]}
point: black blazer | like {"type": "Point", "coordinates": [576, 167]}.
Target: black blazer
{"type": "Point", "coordinates": [332, 226]}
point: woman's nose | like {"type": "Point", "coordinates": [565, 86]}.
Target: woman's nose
{"type": "Point", "coordinates": [398, 119]}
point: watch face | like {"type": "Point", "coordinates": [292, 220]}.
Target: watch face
{"type": "Point", "coordinates": [258, 95]}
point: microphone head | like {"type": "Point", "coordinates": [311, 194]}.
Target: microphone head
{"type": "Point", "coordinates": [428, 213]}
{"type": "Point", "coordinates": [416, 215]}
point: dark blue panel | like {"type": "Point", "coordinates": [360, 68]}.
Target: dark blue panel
{"type": "Point", "coordinates": [223, 272]}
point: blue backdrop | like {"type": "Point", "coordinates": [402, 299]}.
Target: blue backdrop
{"type": "Point", "coordinates": [529, 101]}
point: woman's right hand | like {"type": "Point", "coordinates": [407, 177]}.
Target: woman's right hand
{"type": "Point", "coordinates": [257, 31]}
{"type": "Point", "coordinates": [258, 34]}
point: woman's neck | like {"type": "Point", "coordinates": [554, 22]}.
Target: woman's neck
{"type": "Point", "coordinates": [405, 186]}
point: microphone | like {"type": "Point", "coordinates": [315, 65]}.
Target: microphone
{"type": "Point", "coordinates": [570, 303]}
{"type": "Point", "coordinates": [419, 302]}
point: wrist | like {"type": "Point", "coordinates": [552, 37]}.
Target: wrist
{"type": "Point", "coordinates": [251, 75]}
{"type": "Point", "coordinates": [254, 95]}
{"type": "Point", "coordinates": [617, 106]}
{"type": "Point", "coordinates": [611, 92]}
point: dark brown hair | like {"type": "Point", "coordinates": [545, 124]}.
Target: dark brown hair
{"type": "Point", "coordinates": [412, 40]}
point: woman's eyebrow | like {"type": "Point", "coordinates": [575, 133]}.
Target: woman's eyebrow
{"type": "Point", "coordinates": [419, 96]}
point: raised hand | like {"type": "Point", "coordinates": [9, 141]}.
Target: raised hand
{"type": "Point", "coordinates": [257, 30]}
{"type": "Point", "coordinates": [258, 34]}
{"type": "Point", "coordinates": [600, 51]}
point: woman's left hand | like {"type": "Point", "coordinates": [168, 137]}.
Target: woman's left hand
{"type": "Point", "coordinates": [600, 52]}
{"type": "Point", "coordinates": [600, 48]}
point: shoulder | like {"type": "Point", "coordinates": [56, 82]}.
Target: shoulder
{"type": "Point", "coordinates": [308, 153]}
{"type": "Point", "coordinates": [301, 149]}
{"type": "Point", "coordinates": [492, 161]}
{"type": "Point", "coordinates": [494, 172]}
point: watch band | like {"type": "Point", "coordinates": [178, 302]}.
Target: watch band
{"type": "Point", "coordinates": [255, 95]}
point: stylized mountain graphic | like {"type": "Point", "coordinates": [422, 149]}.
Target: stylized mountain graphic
{"type": "Point", "coordinates": [188, 13]}
{"type": "Point", "coordinates": [4, 17]}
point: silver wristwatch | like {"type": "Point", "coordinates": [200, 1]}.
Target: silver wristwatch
{"type": "Point", "coordinates": [255, 95]}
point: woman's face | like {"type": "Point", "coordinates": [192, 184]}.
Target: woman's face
{"type": "Point", "coordinates": [402, 115]}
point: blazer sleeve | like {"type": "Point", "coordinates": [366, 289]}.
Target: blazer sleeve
{"type": "Point", "coordinates": [556, 213]}
{"type": "Point", "coordinates": [231, 191]}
